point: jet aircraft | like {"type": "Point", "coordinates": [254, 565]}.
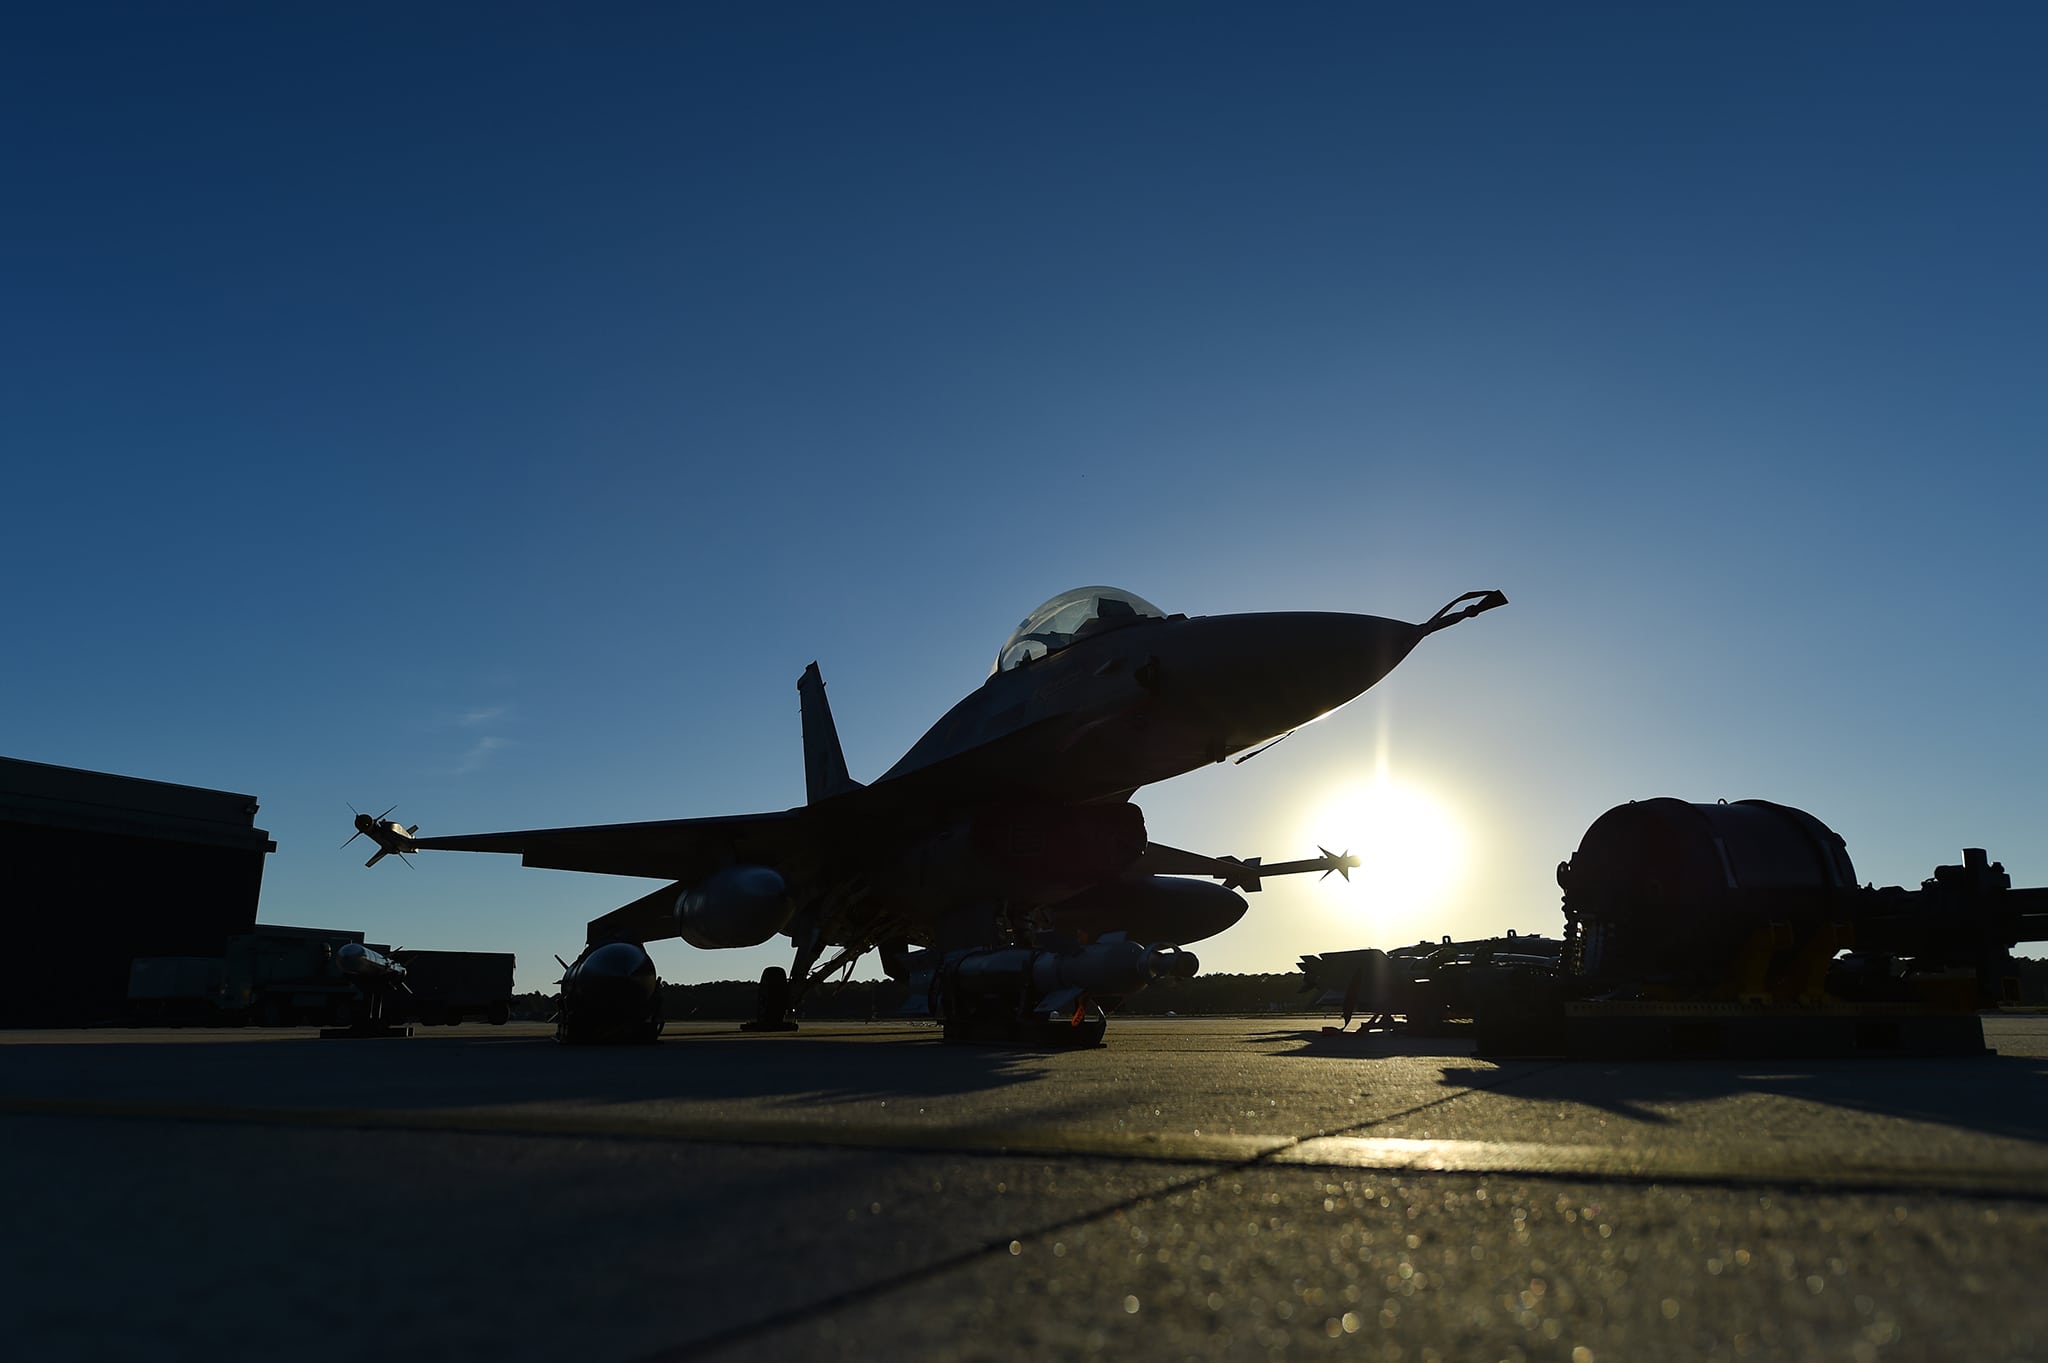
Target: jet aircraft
{"type": "Point", "coordinates": [1001, 861]}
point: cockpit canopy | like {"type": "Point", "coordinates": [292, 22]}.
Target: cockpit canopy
{"type": "Point", "coordinates": [1069, 616]}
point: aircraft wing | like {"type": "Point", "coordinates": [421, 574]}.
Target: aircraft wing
{"type": "Point", "coordinates": [649, 918]}
{"type": "Point", "coordinates": [686, 850]}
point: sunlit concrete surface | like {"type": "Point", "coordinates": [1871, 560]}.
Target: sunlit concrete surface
{"type": "Point", "coordinates": [1195, 1189]}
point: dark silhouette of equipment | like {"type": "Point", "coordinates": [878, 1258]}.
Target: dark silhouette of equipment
{"type": "Point", "coordinates": [278, 976]}
{"type": "Point", "coordinates": [1755, 902]}
{"type": "Point", "coordinates": [1740, 930]}
{"type": "Point", "coordinates": [446, 987]}
{"type": "Point", "coordinates": [611, 995]}
{"type": "Point", "coordinates": [1429, 986]}
{"type": "Point", "coordinates": [1718, 930]}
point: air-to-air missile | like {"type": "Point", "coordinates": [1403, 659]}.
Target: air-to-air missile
{"type": "Point", "coordinates": [367, 964]}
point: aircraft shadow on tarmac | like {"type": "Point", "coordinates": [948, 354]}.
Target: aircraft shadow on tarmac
{"type": "Point", "coordinates": [1993, 1095]}
{"type": "Point", "coordinates": [438, 1072]}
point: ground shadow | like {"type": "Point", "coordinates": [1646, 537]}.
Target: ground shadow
{"type": "Point", "coordinates": [448, 1072]}
{"type": "Point", "coordinates": [1994, 1095]}
{"type": "Point", "coordinates": [1359, 1045]}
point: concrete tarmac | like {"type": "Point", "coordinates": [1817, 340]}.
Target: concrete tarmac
{"type": "Point", "coordinates": [1197, 1188]}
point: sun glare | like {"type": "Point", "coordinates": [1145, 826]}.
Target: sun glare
{"type": "Point", "coordinates": [1410, 849]}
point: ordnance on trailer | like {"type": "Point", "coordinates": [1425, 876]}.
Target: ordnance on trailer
{"type": "Point", "coordinates": [380, 982]}
{"type": "Point", "coordinates": [1754, 902]}
{"type": "Point", "coordinates": [1740, 929]}
{"type": "Point", "coordinates": [368, 964]}
{"type": "Point", "coordinates": [1053, 994]}
{"type": "Point", "coordinates": [1430, 983]}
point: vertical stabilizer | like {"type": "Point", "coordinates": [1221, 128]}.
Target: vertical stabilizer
{"type": "Point", "coordinates": [824, 762]}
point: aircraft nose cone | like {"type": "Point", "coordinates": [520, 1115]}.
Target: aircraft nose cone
{"type": "Point", "coordinates": [1268, 673]}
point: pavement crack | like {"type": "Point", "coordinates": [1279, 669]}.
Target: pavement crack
{"type": "Point", "coordinates": [923, 1273]}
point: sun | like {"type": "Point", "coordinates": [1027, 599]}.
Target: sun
{"type": "Point", "coordinates": [1410, 848]}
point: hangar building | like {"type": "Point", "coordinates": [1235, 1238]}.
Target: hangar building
{"type": "Point", "coordinates": [101, 869]}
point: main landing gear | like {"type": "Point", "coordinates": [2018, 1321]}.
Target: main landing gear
{"type": "Point", "coordinates": [771, 1003]}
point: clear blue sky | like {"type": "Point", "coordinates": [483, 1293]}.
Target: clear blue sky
{"type": "Point", "coordinates": [493, 408]}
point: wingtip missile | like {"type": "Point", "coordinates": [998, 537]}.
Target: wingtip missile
{"type": "Point", "coordinates": [389, 835]}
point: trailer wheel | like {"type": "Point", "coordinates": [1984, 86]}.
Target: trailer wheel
{"type": "Point", "coordinates": [500, 1014]}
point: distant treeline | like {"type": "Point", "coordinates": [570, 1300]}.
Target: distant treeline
{"type": "Point", "coordinates": [723, 999]}
{"type": "Point", "coordinates": [2033, 979]}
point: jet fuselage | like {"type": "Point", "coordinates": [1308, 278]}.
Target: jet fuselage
{"type": "Point", "coordinates": [1149, 699]}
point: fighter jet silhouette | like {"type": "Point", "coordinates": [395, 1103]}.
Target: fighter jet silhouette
{"type": "Point", "coordinates": [1004, 844]}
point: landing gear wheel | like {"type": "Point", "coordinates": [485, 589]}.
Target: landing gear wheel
{"type": "Point", "coordinates": [771, 1003]}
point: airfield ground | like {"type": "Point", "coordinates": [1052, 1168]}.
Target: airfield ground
{"type": "Point", "coordinates": [1198, 1188]}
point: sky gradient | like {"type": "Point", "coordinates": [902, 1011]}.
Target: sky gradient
{"type": "Point", "coordinates": [492, 409]}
